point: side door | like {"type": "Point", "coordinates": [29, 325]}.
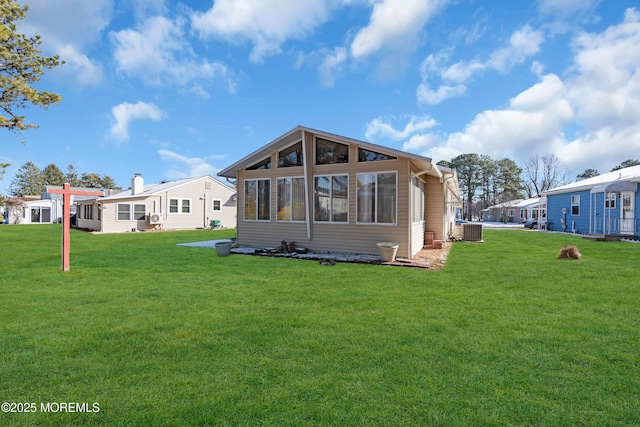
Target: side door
{"type": "Point", "coordinates": [627, 212]}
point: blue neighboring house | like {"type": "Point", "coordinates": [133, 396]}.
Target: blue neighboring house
{"type": "Point", "coordinates": [605, 205]}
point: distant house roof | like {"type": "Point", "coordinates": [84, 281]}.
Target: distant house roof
{"type": "Point", "coordinates": [157, 188]}
{"type": "Point", "coordinates": [295, 135]}
{"type": "Point", "coordinates": [528, 203]}
{"type": "Point", "coordinates": [76, 198]}
{"type": "Point", "coordinates": [516, 204]}
{"type": "Point", "coordinates": [508, 204]}
{"type": "Point", "coordinates": [23, 199]}
{"type": "Point", "coordinates": [628, 175]}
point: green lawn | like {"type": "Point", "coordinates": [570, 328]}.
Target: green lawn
{"type": "Point", "coordinates": [159, 334]}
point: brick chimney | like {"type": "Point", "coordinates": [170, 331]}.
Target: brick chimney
{"type": "Point", "coordinates": [137, 184]}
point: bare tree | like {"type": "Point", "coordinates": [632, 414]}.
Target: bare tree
{"type": "Point", "coordinates": [543, 173]}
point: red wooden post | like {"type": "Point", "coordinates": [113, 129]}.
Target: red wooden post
{"type": "Point", "coordinates": [67, 192]}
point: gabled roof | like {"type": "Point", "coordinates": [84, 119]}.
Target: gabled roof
{"type": "Point", "coordinates": [295, 135]}
{"type": "Point", "coordinates": [527, 203]}
{"type": "Point", "coordinates": [76, 197]}
{"type": "Point", "coordinates": [507, 204]}
{"type": "Point", "coordinates": [630, 174]}
{"type": "Point", "coordinates": [516, 204]}
{"type": "Point", "coordinates": [160, 187]}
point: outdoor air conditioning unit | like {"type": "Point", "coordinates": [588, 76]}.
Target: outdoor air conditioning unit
{"type": "Point", "coordinates": [155, 218]}
{"type": "Point", "coordinates": [472, 232]}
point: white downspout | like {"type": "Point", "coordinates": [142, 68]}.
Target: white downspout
{"type": "Point", "coordinates": [306, 184]}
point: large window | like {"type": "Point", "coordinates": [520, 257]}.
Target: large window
{"type": "Point", "coordinates": [373, 156]}
{"type": "Point", "coordinates": [88, 212]}
{"type": "Point", "coordinates": [180, 205]}
{"type": "Point", "coordinates": [257, 199]}
{"type": "Point", "coordinates": [331, 202]}
{"type": "Point", "coordinates": [417, 187]}
{"type": "Point", "coordinates": [261, 165]}
{"type": "Point", "coordinates": [124, 212]}
{"type": "Point", "coordinates": [575, 205]}
{"type": "Point", "coordinates": [139, 212]}
{"type": "Point", "coordinates": [376, 193]}
{"type": "Point", "coordinates": [131, 212]}
{"type": "Point", "coordinates": [40, 215]}
{"type": "Point", "coordinates": [329, 152]}
{"type": "Point", "coordinates": [291, 156]}
{"type": "Point", "coordinates": [291, 200]}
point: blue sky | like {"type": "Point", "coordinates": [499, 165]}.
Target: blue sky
{"type": "Point", "coordinates": [174, 89]}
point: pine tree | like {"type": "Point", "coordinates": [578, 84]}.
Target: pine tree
{"type": "Point", "coordinates": [28, 181]}
{"type": "Point", "coordinates": [21, 65]}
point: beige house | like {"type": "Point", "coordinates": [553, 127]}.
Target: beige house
{"type": "Point", "coordinates": [187, 203]}
{"type": "Point", "coordinates": [331, 193]}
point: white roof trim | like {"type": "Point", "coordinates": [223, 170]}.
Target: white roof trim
{"type": "Point", "coordinates": [615, 187]}
{"type": "Point", "coordinates": [630, 174]}
{"type": "Point", "coordinates": [231, 171]}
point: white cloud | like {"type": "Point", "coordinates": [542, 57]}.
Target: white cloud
{"type": "Point", "coordinates": [606, 83]}
{"type": "Point", "coordinates": [522, 45]}
{"type": "Point", "coordinates": [605, 90]}
{"type": "Point", "coordinates": [125, 113]}
{"type": "Point", "coordinates": [426, 95]}
{"type": "Point", "coordinates": [267, 24]}
{"type": "Point", "coordinates": [565, 8]}
{"type": "Point", "coordinates": [533, 123]}
{"type": "Point", "coordinates": [378, 128]}
{"type": "Point", "coordinates": [158, 52]}
{"type": "Point", "coordinates": [599, 102]}
{"type": "Point", "coordinates": [332, 65]}
{"type": "Point", "coordinates": [421, 142]}
{"type": "Point", "coordinates": [69, 28]}
{"type": "Point", "coordinates": [85, 71]}
{"type": "Point", "coordinates": [393, 24]}
{"type": "Point", "coordinates": [187, 166]}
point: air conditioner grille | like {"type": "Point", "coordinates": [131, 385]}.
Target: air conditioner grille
{"type": "Point", "coordinates": [472, 232]}
{"type": "Point", "coordinates": [155, 218]}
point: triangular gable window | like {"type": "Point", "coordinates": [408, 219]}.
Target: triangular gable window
{"type": "Point", "coordinates": [291, 156]}
{"type": "Point", "coordinates": [264, 164]}
{"type": "Point", "coordinates": [329, 152]}
{"type": "Point", "coordinates": [373, 156]}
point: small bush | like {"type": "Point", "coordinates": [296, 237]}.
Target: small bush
{"type": "Point", "coordinates": [569, 252]}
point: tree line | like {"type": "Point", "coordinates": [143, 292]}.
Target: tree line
{"type": "Point", "coordinates": [31, 180]}
{"type": "Point", "coordinates": [485, 182]}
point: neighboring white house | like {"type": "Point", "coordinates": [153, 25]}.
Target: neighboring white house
{"type": "Point", "coordinates": [518, 210]}
{"type": "Point", "coordinates": [181, 204]}
{"type": "Point", "coordinates": [44, 209]}
{"type": "Point", "coordinates": [31, 210]}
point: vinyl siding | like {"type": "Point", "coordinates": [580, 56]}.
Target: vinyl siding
{"type": "Point", "coordinates": [580, 223]}
{"type": "Point", "coordinates": [201, 203]}
{"type": "Point", "coordinates": [555, 204]}
{"type": "Point", "coordinates": [417, 237]}
{"type": "Point", "coordinates": [336, 237]}
{"type": "Point", "coordinates": [434, 205]}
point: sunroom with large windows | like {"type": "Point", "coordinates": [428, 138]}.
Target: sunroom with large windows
{"type": "Point", "coordinates": [327, 192]}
